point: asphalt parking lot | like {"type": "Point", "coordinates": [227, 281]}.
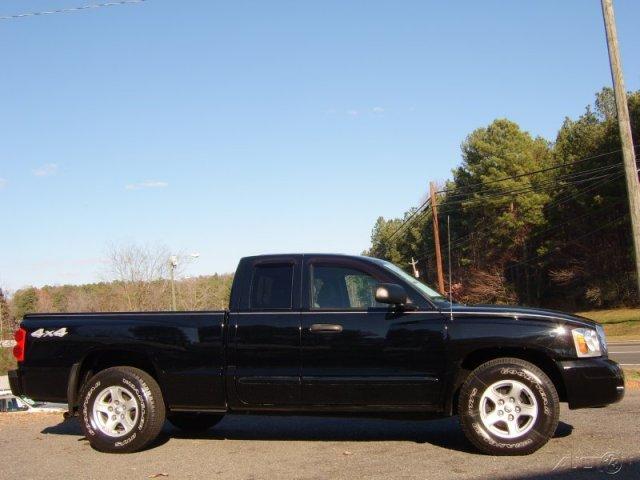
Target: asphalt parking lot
{"type": "Point", "coordinates": [598, 443]}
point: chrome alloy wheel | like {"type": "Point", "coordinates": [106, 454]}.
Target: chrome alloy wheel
{"type": "Point", "coordinates": [508, 409]}
{"type": "Point", "coordinates": [115, 411]}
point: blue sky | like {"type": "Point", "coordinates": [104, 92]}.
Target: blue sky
{"type": "Point", "coordinates": [243, 127]}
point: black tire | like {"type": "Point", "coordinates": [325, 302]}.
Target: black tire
{"type": "Point", "coordinates": [145, 395]}
{"type": "Point", "coordinates": [496, 436]}
{"type": "Point", "coordinates": [194, 422]}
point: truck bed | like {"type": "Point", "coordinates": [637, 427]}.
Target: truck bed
{"type": "Point", "coordinates": [185, 351]}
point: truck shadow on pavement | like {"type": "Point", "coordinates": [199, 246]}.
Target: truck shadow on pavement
{"type": "Point", "coordinates": [445, 433]}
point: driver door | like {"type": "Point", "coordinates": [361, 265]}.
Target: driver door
{"type": "Point", "coordinates": [358, 352]}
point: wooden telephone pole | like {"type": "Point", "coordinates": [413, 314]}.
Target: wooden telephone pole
{"type": "Point", "coordinates": [628, 154]}
{"type": "Point", "coordinates": [436, 237]}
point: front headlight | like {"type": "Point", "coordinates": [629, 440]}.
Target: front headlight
{"type": "Point", "coordinates": [586, 342]}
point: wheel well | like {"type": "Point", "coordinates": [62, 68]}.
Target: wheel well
{"type": "Point", "coordinates": [539, 359]}
{"type": "Point", "coordinates": [101, 360]}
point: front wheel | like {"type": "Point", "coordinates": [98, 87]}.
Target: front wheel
{"type": "Point", "coordinates": [508, 406]}
{"type": "Point", "coordinates": [121, 410]}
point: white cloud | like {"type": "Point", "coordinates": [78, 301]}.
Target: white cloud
{"type": "Point", "coordinates": [3, 183]}
{"type": "Point", "coordinates": [147, 184]}
{"type": "Point", "coordinates": [377, 110]}
{"type": "Point", "coordinates": [353, 113]}
{"type": "Point", "coordinates": [45, 170]}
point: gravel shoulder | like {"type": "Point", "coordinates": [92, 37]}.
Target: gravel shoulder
{"type": "Point", "coordinates": [596, 443]}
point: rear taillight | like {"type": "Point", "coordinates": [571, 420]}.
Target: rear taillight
{"type": "Point", "coordinates": [21, 340]}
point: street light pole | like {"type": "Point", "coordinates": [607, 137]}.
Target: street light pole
{"type": "Point", "coordinates": [173, 263]}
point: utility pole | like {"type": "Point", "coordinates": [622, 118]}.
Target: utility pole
{"type": "Point", "coordinates": [628, 154]}
{"type": "Point", "coordinates": [436, 236]}
{"type": "Point", "coordinates": [416, 273]}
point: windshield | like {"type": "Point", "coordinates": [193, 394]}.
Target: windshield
{"type": "Point", "coordinates": [421, 287]}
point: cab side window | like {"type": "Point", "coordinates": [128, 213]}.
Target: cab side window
{"type": "Point", "coordinates": [271, 287]}
{"type": "Point", "coordinates": [342, 288]}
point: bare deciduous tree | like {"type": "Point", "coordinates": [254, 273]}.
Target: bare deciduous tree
{"type": "Point", "coordinates": [140, 272]}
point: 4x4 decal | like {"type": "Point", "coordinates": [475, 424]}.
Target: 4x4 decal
{"type": "Point", "coordinates": [41, 332]}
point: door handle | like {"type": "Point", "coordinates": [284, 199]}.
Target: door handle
{"type": "Point", "coordinates": [325, 328]}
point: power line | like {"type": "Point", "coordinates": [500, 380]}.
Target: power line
{"type": "Point", "coordinates": [513, 177]}
{"type": "Point", "coordinates": [450, 207]}
{"type": "Point", "coordinates": [546, 231]}
{"type": "Point", "coordinates": [526, 189]}
{"type": "Point", "coordinates": [424, 204]}
{"type": "Point", "coordinates": [555, 167]}
{"type": "Point", "coordinates": [460, 242]}
{"type": "Point", "coordinates": [529, 188]}
{"type": "Point", "coordinates": [557, 179]}
{"type": "Point", "coordinates": [466, 239]}
{"type": "Point", "coordinates": [70, 9]}
{"type": "Point", "coordinates": [568, 180]}
{"type": "Point", "coordinates": [567, 197]}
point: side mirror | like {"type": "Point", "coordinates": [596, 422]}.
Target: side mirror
{"type": "Point", "coordinates": [391, 293]}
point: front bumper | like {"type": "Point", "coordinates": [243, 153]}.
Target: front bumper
{"type": "Point", "coordinates": [592, 382]}
{"type": "Point", "coordinates": [15, 383]}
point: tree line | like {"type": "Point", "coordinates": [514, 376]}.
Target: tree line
{"type": "Point", "coordinates": [531, 221]}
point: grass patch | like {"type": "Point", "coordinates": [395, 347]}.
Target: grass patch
{"type": "Point", "coordinates": [632, 374]}
{"type": "Point", "coordinates": [618, 315]}
{"type": "Point", "coordinates": [632, 377]}
{"type": "Point", "coordinates": [622, 331]}
{"type": "Point", "coordinates": [619, 324]}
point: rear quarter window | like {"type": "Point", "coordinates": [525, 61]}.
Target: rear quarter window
{"type": "Point", "coordinates": [271, 287]}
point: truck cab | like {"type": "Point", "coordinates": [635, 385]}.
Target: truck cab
{"type": "Point", "coordinates": [307, 331]}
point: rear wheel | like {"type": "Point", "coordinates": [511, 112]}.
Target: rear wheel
{"type": "Point", "coordinates": [194, 422]}
{"type": "Point", "coordinates": [508, 407]}
{"type": "Point", "coordinates": [121, 410]}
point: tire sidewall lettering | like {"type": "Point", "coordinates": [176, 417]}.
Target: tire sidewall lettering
{"type": "Point", "coordinates": [122, 443]}
{"type": "Point", "coordinates": [533, 381]}
{"type": "Point", "coordinates": [141, 402]}
{"type": "Point", "coordinates": [141, 420]}
{"type": "Point", "coordinates": [493, 442]}
{"type": "Point", "coordinates": [85, 408]}
{"type": "Point", "coordinates": [471, 404]}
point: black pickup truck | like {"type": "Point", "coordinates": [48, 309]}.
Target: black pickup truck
{"type": "Point", "coordinates": [317, 334]}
